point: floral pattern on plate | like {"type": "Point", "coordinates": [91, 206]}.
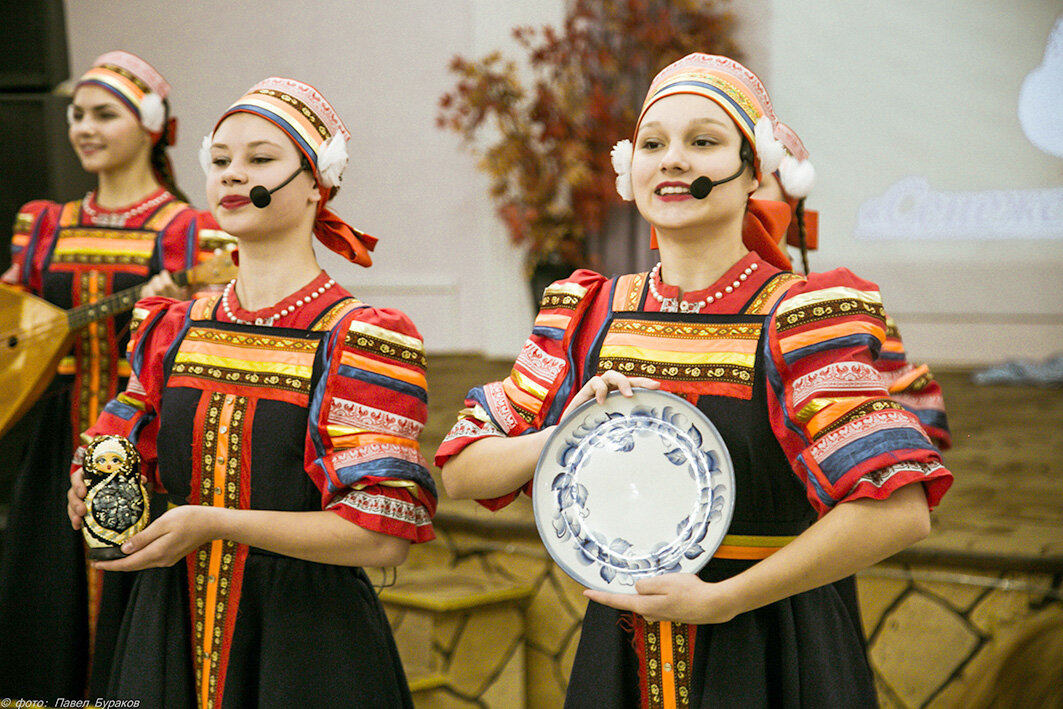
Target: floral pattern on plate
{"type": "Point", "coordinates": [638, 487]}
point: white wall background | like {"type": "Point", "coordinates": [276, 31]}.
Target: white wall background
{"type": "Point", "coordinates": [878, 92]}
{"type": "Point", "coordinates": [442, 256]}
{"type": "Point", "coordinates": [883, 91]}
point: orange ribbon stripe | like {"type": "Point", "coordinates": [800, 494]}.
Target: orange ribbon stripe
{"type": "Point", "coordinates": [667, 666]}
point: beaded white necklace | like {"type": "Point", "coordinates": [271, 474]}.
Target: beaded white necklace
{"type": "Point", "coordinates": [119, 218]}
{"type": "Point", "coordinates": [675, 305]}
{"type": "Point", "coordinates": [267, 321]}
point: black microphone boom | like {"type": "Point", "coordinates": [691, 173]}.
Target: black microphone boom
{"type": "Point", "coordinates": [701, 187]}
{"type": "Point", "coordinates": [261, 197]}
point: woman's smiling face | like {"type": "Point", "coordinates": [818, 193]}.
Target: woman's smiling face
{"type": "Point", "coordinates": [683, 137]}
{"type": "Point", "coordinates": [247, 151]}
{"type": "Point", "coordinates": [106, 135]}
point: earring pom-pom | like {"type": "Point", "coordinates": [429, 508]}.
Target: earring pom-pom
{"type": "Point", "coordinates": [621, 155]}
{"type": "Point", "coordinates": [332, 160]}
{"type": "Point", "coordinates": [770, 150]}
{"type": "Point", "coordinates": [797, 177]}
{"type": "Point", "coordinates": [204, 154]}
{"type": "Point", "coordinates": [152, 113]}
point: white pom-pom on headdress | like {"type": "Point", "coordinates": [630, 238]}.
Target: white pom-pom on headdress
{"type": "Point", "coordinates": [796, 176]}
{"type": "Point", "coordinates": [332, 160]}
{"type": "Point", "coordinates": [769, 150]}
{"type": "Point", "coordinates": [621, 155]}
{"type": "Point", "coordinates": [152, 113]}
{"type": "Point", "coordinates": [204, 153]}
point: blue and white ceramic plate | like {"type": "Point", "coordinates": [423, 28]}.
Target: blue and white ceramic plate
{"type": "Point", "coordinates": [636, 487]}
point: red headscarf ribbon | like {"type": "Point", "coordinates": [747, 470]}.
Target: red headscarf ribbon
{"type": "Point", "coordinates": [765, 223]}
{"type": "Point", "coordinates": [339, 236]}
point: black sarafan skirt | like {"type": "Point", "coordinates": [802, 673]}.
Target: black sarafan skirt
{"type": "Point", "coordinates": [806, 651]}
{"type": "Point", "coordinates": [305, 634]}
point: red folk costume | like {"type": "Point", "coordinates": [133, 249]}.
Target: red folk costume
{"type": "Point", "coordinates": [313, 404]}
{"type": "Point", "coordinates": [789, 369]}
{"type": "Point", "coordinates": [73, 254]}
{"type": "Point", "coordinates": [77, 253]}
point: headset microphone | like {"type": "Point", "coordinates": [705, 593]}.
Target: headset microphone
{"type": "Point", "coordinates": [699, 188]}
{"type": "Point", "coordinates": [261, 197]}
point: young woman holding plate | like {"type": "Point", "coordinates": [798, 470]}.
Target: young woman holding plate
{"type": "Point", "coordinates": [832, 473]}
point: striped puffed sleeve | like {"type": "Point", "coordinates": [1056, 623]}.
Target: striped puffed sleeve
{"type": "Point", "coordinates": [830, 406]}
{"type": "Point", "coordinates": [189, 236]}
{"type": "Point", "coordinates": [543, 379]}
{"type": "Point", "coordinates": [914, 387]}
{"type": "Point", "coordinates": [133, 414]}
{"type": "Point", "coordinates": [366, 415]}
{"type": "Point", "coordinates": [32, 234]}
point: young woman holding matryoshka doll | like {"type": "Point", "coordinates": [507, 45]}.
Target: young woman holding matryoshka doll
{"type": "Point", "coordinates": [302, 406]}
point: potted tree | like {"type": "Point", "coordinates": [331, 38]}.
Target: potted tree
{"type": "Point", "coordinates": [543, 134]}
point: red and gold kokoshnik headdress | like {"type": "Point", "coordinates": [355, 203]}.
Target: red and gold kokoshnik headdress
{"type": "Point", "coordinates": [313, 125]}
{"type": "Point", "coordinates": [740, 93]}
{"type": "Point", "coordinates": [138, 85]}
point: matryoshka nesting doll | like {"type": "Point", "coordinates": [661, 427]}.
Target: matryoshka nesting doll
{"type": "Point", "coordinates": [117, 500]}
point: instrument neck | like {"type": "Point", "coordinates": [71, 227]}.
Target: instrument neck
{"type": "Point", "coordinates": [121, 301]}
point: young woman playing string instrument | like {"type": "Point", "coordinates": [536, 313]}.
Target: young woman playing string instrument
{"type": "Point", "coordinates": [134, 228]}
{"type": "Point", "coordinates": [832, 474]}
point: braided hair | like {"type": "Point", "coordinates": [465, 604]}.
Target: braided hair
{"type": "Point", "coordinates": [747, 155]}
{"type": "Point", "coordinates": [160, 161]}
{"type": "Point", "coordinates": [799, 213]}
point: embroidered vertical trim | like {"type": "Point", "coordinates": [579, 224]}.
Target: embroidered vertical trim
{"type": "Point", "coordinates": [770, 293]}
{"type": "Point", "coordinates": [667, 666]}
{"type": "Point", "coordinates": [91, 393]}
{"type": "Point", "coordinates": [665, 653]}
{"type": "Point", "coordinates": [335, 313]}
{"type": "Point", "coordinates": [218, 566]}
{"type": "Point", "coordinates": [203, 307]}
{"type": "Point", "coordinates": [683, 657]}
{"type": "Point", "coordinates": [95, 591]}
{"type": "Point", "coordinates": [93, 356]}
{"type": "Point", "coordinates": [628, 292]}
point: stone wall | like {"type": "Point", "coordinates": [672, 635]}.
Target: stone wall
{"type": "Point", "coordinates": [931, 629]}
